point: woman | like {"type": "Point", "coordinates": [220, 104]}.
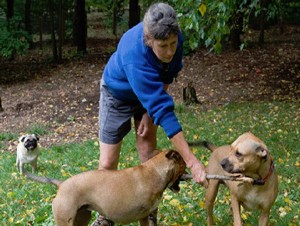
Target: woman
{"type": "Point", "coordinates": [134, 84]}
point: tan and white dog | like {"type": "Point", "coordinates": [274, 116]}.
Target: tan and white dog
{"type": "Point", "coordinates": [123, 196]}
{"type": "Point", "coordinates": [27, 151]}
{"type": "Point", "coordinates": [249, 156]}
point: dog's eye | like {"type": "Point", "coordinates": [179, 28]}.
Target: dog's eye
{"type": "Point", "coordinates": [238, 155]}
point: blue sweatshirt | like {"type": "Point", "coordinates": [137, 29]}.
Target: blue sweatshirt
{"type": "Point", "coordinates": [134, 73]}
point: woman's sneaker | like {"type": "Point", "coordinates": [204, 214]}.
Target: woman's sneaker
{"type": "Point", "coordinates": [153, 218]}
{"type": "Point", "coordinates": [102, 221]}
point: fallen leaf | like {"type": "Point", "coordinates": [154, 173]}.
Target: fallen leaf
{"type": "Point", "coordinates": [175, 202]}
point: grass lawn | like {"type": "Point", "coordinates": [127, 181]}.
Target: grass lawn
{"type": "Point", "coordinates": [25, 202]}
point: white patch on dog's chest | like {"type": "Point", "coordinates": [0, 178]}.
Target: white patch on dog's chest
{"type": "Point", "coordinates": [29, 156]}
{"type": "Point", "coordinates": [250, 200]}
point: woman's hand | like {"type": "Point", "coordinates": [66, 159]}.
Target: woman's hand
{"type": "Point", "coordinates": [143, 129]}
{"type": "Point", "coordinates": [199, 174]}
{"type": "Point", "coordinates": [197, 169]}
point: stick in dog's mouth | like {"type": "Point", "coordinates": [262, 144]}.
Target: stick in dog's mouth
{"type": "Point", "coordinates": [238, 177]}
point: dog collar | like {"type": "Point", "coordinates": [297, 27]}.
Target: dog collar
{"type": "Point", "coordinates": [263, 181]}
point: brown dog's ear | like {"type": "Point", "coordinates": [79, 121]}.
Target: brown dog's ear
{"type": "Point", "coordinates": [261, 152]}
{"type": "Point", "coordinates": [173, 155]}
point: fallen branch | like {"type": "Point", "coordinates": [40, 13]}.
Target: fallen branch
{"type": "Point", "coordinates": [221, 177]}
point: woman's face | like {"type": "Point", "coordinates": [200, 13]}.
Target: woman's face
{"type": "Point", "coordinates": [164, 49]}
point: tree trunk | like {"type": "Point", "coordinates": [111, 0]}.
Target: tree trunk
{"type": "Point", "coordinates": [117, 8]}
{"type": "Point", "coordinates": [9, 15]}
{"type": "Point", "coordinates": [263, 6]}
{"type": "Point", "coordinates": [115, 16]}
{"type": "Point", "coordinates": [28, 20]}
{"type": "Point", "coordinates": [54, 50]}
{"type": "Point", "coordinates": [235, 38]}
{"type": "Point", "coordinates": [41, 32]}
{"type": "Point", "coordinates": [1, 108]}
{"type": "Point", "coordinates": [281, 17]}
{"type": "Point", "coordinates": [10, 8]}
{"type": "Point", "coordinates": [80, 26]}
{"type": "Point", "coordinates": [60, 30]}
{"type": "Point", "coordinates": [134, 13]}
{"type": "Point", "coordinates": [63, 28]}
{"type": "Point", "coordinates": [236, 30]}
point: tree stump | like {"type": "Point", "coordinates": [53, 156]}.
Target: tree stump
{"type": "Point", "coordinates": [189, 94]}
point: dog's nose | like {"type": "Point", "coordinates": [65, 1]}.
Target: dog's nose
{"type": "Point", "coordinates": [227, 166]}
{"type": "Point", "coordinates": [224, 163]}
{"type": "Point", "coordinates": [31, 144]}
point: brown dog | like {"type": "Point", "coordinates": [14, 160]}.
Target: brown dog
{"type": "Point", "coordinates": [249, 156]}
{"type": "Point", "coordinates": [123, 196]}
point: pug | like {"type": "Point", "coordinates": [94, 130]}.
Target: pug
{"type": "Point", "coordinates": [27, 151]}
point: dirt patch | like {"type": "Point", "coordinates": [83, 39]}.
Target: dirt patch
{"type": "Point", "coordinates": [64, 97]}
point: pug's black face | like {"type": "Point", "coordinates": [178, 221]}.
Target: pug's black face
{"type": "Point", "coordinates": [30, 144]}
{"type": "Point", "coordinates": [30, 141]}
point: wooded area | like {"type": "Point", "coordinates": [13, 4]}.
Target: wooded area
{"type": "Point", "coordinates": [35, 38]}
{"type": "Point", "coordinates": [204, 23]}
{"type": "Point", "coordinates": [209, 24]}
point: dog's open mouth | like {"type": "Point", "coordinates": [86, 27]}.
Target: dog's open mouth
{"type": "Point", "coordinates": [31, 146]}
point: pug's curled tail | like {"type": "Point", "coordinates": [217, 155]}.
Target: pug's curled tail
{"type": "Point", "coordinates": [206, 144]}
{"type": "Point", "coordinates": [41, 179]}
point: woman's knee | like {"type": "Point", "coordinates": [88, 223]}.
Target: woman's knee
{"type": "Point", "coordinates": [107, 165]}
{"type": "Point", "coordinates": [109, 155]}
{"type": "Point", "coordinates": [146, 150]}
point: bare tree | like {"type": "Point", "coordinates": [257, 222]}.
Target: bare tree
{"type": "Point", "coordinates": [10, 13]}
{"type": "Point", "coordinates": [262, 20]}
{"type": "Point", "coordinates": [134, 13]}
{"type": "Point", "coordinates": [28, 27]}
{"type": "Point", "coordinates": [10, 8]}
{"type": "Point", "coordinates": [60, 30]}
{"type": "Point", "coordinates": [54, 49]}
{"type": "Point", "coordinates": [80, 26]}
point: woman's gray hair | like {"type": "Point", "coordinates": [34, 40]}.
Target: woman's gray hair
{"type": "Point", "coordinates": [160, 21]}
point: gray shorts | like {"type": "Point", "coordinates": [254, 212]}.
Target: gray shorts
{"type": "Point", "coordinates": [115, 116]}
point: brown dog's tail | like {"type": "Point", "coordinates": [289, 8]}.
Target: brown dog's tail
{"type": "Point", "coordinates": [206, 144]}
{"type": "Point", "coordinates": [41, 179]}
